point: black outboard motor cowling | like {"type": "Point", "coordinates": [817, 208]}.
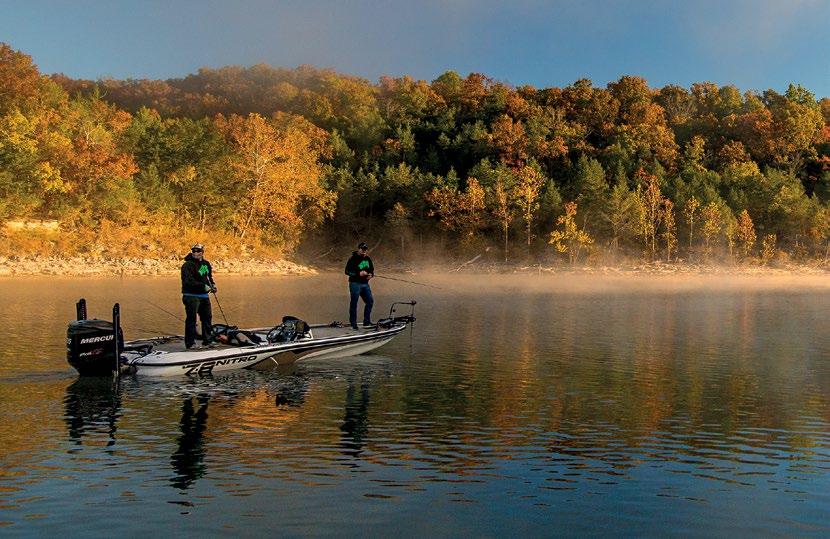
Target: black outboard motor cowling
{"type": "Point", "coordinates": [90, 347]}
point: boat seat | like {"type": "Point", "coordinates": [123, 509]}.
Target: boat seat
{"type": "Point", "coordinates": [291, 329]}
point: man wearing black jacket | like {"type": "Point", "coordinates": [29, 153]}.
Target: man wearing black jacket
{"type": "Point", "coordinates": [360, 269]}
{"type": "Point", "coordinates": [197, 283]}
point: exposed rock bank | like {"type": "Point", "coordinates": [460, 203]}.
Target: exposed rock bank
{"type": "Point", "coordinates": [79, 266]}
{"type": "Point", "coordinates": [659, 268]}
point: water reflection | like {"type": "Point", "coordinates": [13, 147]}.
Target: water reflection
{"type": "Point", "coordinates": [188, 460]}
{"type": "Point", "coordinates": [92, 404]}
{"type": "Point", "coordinates": [706, 410]}
{"type": "Point", "coordinates": [292, 389]}
{"type": "Point", "coordinates": [235, 398]}
{"type": "Point", "coordinates": [356, 419]}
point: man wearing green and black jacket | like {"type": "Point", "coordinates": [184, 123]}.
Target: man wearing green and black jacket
{"type": "Point", "coordinates": [197, 283]}
{"type": "Point", "coordinates": [360, 269]}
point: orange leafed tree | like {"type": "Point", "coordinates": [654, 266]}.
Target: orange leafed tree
{"type": "Point", "coordinates": [95, 171]}
{"type": "Point", "coordinates": [746, 234]}
{"type": "Point", "coordinates": [510, 141]}
{"type": "Point", "coordinates": [459, 211]}
{"type": "Point", "coordinates": [279, 173]}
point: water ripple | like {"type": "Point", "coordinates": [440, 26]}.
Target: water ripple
{"type": "Point", "coordinates": [692, 413]}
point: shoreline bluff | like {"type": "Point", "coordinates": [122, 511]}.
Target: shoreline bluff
{"type": "Point", "coordinates": [86, 266]}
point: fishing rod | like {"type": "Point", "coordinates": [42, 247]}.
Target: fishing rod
{"type": "Point", "coordinates": [179, 318]}
{"type": "Point", "coordinates": [220, 307]}
{"type": "Point", "coordinates": [410, 282]}
{"type": "Point", "coordinates": [153, 332]}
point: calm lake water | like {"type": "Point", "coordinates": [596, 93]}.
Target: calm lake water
{"type": "Point", "coordinates": [512, 407]}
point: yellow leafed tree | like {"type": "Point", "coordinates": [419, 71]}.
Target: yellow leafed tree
{"type": "Point", "coordinates": [746, 234]}
{"type": "Point", "coordinates": [527, 191]}
{"type": "Point", "coordinates": [669, 228]}
{"type": "Point", "coordinates": [277, 165]}
{"type": "Point", "coordinates": [459, 211]}
{"type": "Point", "coordinates": [569, 239]}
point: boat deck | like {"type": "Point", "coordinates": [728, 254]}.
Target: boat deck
{"type": "Point", "coordinates": [176, 343]}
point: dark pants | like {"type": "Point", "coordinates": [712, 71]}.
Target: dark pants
{"type": "Point", "coordinates": [360, 290]}
{"type": "Point", "coordinates": [192, 306]}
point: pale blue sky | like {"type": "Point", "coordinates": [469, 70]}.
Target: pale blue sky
{"type": "Point", "coordinates": [754, 44]}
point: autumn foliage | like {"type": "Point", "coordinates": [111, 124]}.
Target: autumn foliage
{"type": "Point", "coordinates": [309, 159]}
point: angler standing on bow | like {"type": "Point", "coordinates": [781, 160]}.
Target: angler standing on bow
{"type": "Point", "coordinates": [197, 283]}
{"type": "Point", "coordinates": [360, 269]}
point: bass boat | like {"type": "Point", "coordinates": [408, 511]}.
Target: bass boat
{"type": "Point", "coordinates": [94, 347]}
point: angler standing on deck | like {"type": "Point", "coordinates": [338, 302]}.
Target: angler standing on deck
{"type": "Point", "coordinates": [360, 269]}
{"type": "Point", "coordinates": [197, 283]}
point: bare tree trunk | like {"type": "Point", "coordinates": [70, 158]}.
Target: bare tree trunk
{"type": "Point", "coordinates": [467, 263]}
{"type": "Point", "coordinates": [691, 235]}
{"type": "Point", "coordinates": [251, 211]}
{"type": "Point", "coordinates": [504, 227]}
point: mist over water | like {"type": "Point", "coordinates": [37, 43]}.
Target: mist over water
{"type": "Point", "coordinates": [537, 404]}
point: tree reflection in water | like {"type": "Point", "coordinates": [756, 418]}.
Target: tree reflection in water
{"type": "Point", "coordinates": [188, 460]}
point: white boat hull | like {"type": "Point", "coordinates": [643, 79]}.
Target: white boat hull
{"type": "Point", "coordinates": [96, 347]}
{"type": "Point", "coordinates": [263, 356]}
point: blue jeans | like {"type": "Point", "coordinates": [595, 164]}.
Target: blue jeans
{"type": "Point", "coordinates": [360, 290]}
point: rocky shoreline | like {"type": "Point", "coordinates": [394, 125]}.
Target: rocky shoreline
{"type": "Point", "coordinates": [658, 268]}
{"type": "Point", "coordinates": [86, 266]}
{"type": "Point", "coordinates": [83, 266]}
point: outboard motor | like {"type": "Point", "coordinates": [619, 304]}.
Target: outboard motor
{"type": "Point", "coordinates": [90, 344]}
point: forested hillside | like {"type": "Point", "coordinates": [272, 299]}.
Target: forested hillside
{"type": "Point", "coordinates": [274, 160]}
